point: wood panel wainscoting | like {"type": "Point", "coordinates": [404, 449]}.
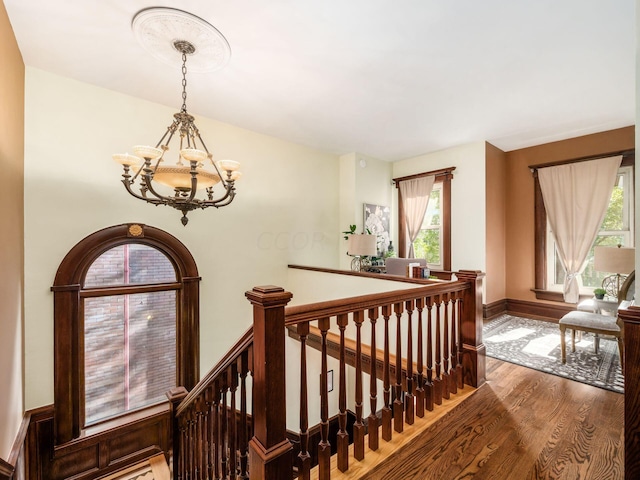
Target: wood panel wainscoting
{"type": "Point", "coordinates": [547, 311]}
{"type": "Point", "coordinates": [14, 467]}
{"type": "Point", "coordinates": [145, 434]}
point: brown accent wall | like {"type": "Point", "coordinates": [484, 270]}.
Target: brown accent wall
{"type": "Point", "coordinates": [496, 199]}
{"type": "Point", "coordinates": [12, 76]}
{"type": "Point", "coordinates": [520, 267]}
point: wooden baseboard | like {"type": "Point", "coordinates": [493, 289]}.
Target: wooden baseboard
{"type": "Point", "coordinates": [543, 311]}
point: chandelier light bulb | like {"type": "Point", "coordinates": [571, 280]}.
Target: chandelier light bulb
{"type": "Point", "coordinates": [194, 170]}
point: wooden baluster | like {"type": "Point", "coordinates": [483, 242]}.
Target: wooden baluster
{"type": "Point", "coordinates": [409, 410]}
{"type": "Point", "coordinates": [233, 425]}
{"type": "Point", "coordinates": [372, 421]}
{"type": "Point", "coordinates": [191, 466]}
{"type": "Point", "coordinates": [199, 440]}
{"type": "Point", "coordinates": [437, 381]}
{"type": "Point", "coordinates": [386, 389]}
{"type": "Point", "coordinates": [358, 426]}
{"type": "Point", "coordinates": [343, 435]}
{"type": "Point", "coordinates": [244, 434]}
{"type": "Point", "coordinates": [217, 459]}
{"type": "Point", "coordinates": [398, 424]}
{"type": "Point", "coordinates": [428, 386]}
{"type": "Point", "coordinates": [420, 362]}
{"type": "Point", "coordinates": [224, 432]}
{"type": "Point", "coordinates": [446, 378]}
{"type": "Point", "coordinates": [459, 369]}
{"type": "Point", "coordinates": [208, 432]}
{"type": "Point", "coordinates": [324, 447]}
{"type": "Point", "coordinates": [305, 458]}
{"type": "Point", "coordinates": [453, 384]}
{"type": "Point", "coordinates": [182, 461]}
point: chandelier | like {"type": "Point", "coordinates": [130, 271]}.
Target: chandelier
{"type": "Point", "coordinates": [193, 173]}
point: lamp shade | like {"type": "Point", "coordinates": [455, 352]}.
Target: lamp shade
{"type": "Point", "coordinates": [362, 245]}
{"type": "Point", "coordinates": [614, 259]}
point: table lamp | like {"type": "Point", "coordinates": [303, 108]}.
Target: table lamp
{"type": "Point", "coordinates": [619, 261]}
{"type": "Point", "coordinates": [360, 246]}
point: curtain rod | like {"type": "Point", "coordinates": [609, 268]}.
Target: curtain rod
{"type": "Point", "coordinates": [436, 173]}
{"type": "Point", "coordinates": [628, 155]}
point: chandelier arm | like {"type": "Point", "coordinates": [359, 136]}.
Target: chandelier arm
{"type": "Point", "coordinates": [127, 185]}
{"type": "Point", "coordinates": [149, 185]}
{"type": "Point", "coordinates": [230, 192]}
{"type": "Point", "coordinates": [219, 202]}
{"type": "Point", "coordinates": [194, 183]}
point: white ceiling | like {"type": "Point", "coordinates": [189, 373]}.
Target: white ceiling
{"type": "Point", "coordinates": [389, 79]}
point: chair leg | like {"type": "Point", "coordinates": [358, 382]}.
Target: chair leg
{"type": "Point", "coordinates": [563, 345]}
{"type": "Point", "coordinates": [596, 343]}
{"type": "Point", "coordinates": [573, 340]}
{"type": "Point", "coordinates": [621, 351]}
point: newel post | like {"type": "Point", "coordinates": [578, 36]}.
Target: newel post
{"type": "Point", "coordinates": [175, 396]}
{"type": "Point", "coordinates": [270, 455]}
{"type": "Point", "coordinates": [473, 350]}
{"type": "Point", "coordinates": [631, 335]}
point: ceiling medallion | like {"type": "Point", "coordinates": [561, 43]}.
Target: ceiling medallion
{"type": "Point", "coordinates": [158, 28]}
{"type": "Point", "coordinates": [177, 184]}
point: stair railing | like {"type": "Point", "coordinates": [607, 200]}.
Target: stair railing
{"type": "Point", "coordinates": [440, 322]}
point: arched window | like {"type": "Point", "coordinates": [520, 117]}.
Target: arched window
{"type": "Point", "coordinates": [125, 326]}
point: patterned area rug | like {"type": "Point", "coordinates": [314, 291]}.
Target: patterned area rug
{"type": "Point", "coordinates": [536, 344]}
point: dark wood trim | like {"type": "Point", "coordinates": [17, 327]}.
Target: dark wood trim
{"type": "Point", "coordinates": [628, 158]}
{"type": "Point", "coordinates": [544, 311]}
{"type": "Point", "coordinates": [6, 470]}
{"type": "Point", "coordinates": [68, 316]}
{"type": "Point", "coordinates": [445, 176]}
{"type": "Point", "coordinates": [436, 173]}
{"type": "Point", "coordinates": [630, 318]}
{"type": "Point", "coordinates": [97, 455]}
{"type": "Point", "coordinates": [442, 275]}
{"type": "Point", "coordinates": [494, 309]}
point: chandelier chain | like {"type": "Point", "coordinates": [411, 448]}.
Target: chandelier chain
{"type": "Point", "coordinates": [184, 82]}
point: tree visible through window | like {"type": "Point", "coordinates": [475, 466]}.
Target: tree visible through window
{"type": "Point", "coordinates": [428, 244]}
{"type": "Point", "coordinates": [616, 230]}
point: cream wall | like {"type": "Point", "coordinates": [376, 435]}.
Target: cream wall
{"type": "Point", "coordinates": [286, 210]}
{"type": "Point", "coordinates": [11, 235]}
{"type": "Point", "coordinates": [363, 179]}
{"type": "Point", "coordinates": [468, 216]}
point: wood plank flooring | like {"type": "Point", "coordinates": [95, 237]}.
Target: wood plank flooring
{"type": "Point", "coordinates": [523, 424]}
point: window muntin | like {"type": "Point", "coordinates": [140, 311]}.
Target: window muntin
{"type": "Point", "coordinates": [129, 352]}
{"type": "Point", "coordinates": [616, 229]}
{"type": "Point", "coordinates": [428, 243]}
{"type": "Point", "coordinates": [130, 264]}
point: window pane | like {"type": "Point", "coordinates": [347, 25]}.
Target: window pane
{"type": "Point", "coordinates": [130, 264]}
{"type": "Point", "coordinates": [427, 246]}
{"type": "Point", "coordinates": [130, 352]}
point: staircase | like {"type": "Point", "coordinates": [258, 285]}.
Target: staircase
{"type": "Point", "coordinates": [154, 468]}
{"type": "Point", "coordinates": [419, 347]}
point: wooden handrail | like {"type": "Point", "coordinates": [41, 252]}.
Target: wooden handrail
{"type": "Point", "coordinates": [211, 431]}
{"type": "Point", "coordinates": [232, 356]}
{"type": "Point", "coordinates": [312, 311]}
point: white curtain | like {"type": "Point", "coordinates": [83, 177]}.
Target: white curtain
{"type": "Point", "coordinates": [576, 197]}
{"type": "Point", "coordinates": [415, 197]}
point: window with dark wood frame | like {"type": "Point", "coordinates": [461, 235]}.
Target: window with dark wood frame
{"type": "Point", "coordinates": [443, 176]}
{"type": "Point", "coordinates": [69, 292]}
{"type": "Point", "coordinates": [540, 219]}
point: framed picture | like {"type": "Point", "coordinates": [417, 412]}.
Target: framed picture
{"type": "Point", "coordinates": [376, 221]}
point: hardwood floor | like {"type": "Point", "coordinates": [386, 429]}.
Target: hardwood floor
{"type": "Point", "coordinates": [523, 424]}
